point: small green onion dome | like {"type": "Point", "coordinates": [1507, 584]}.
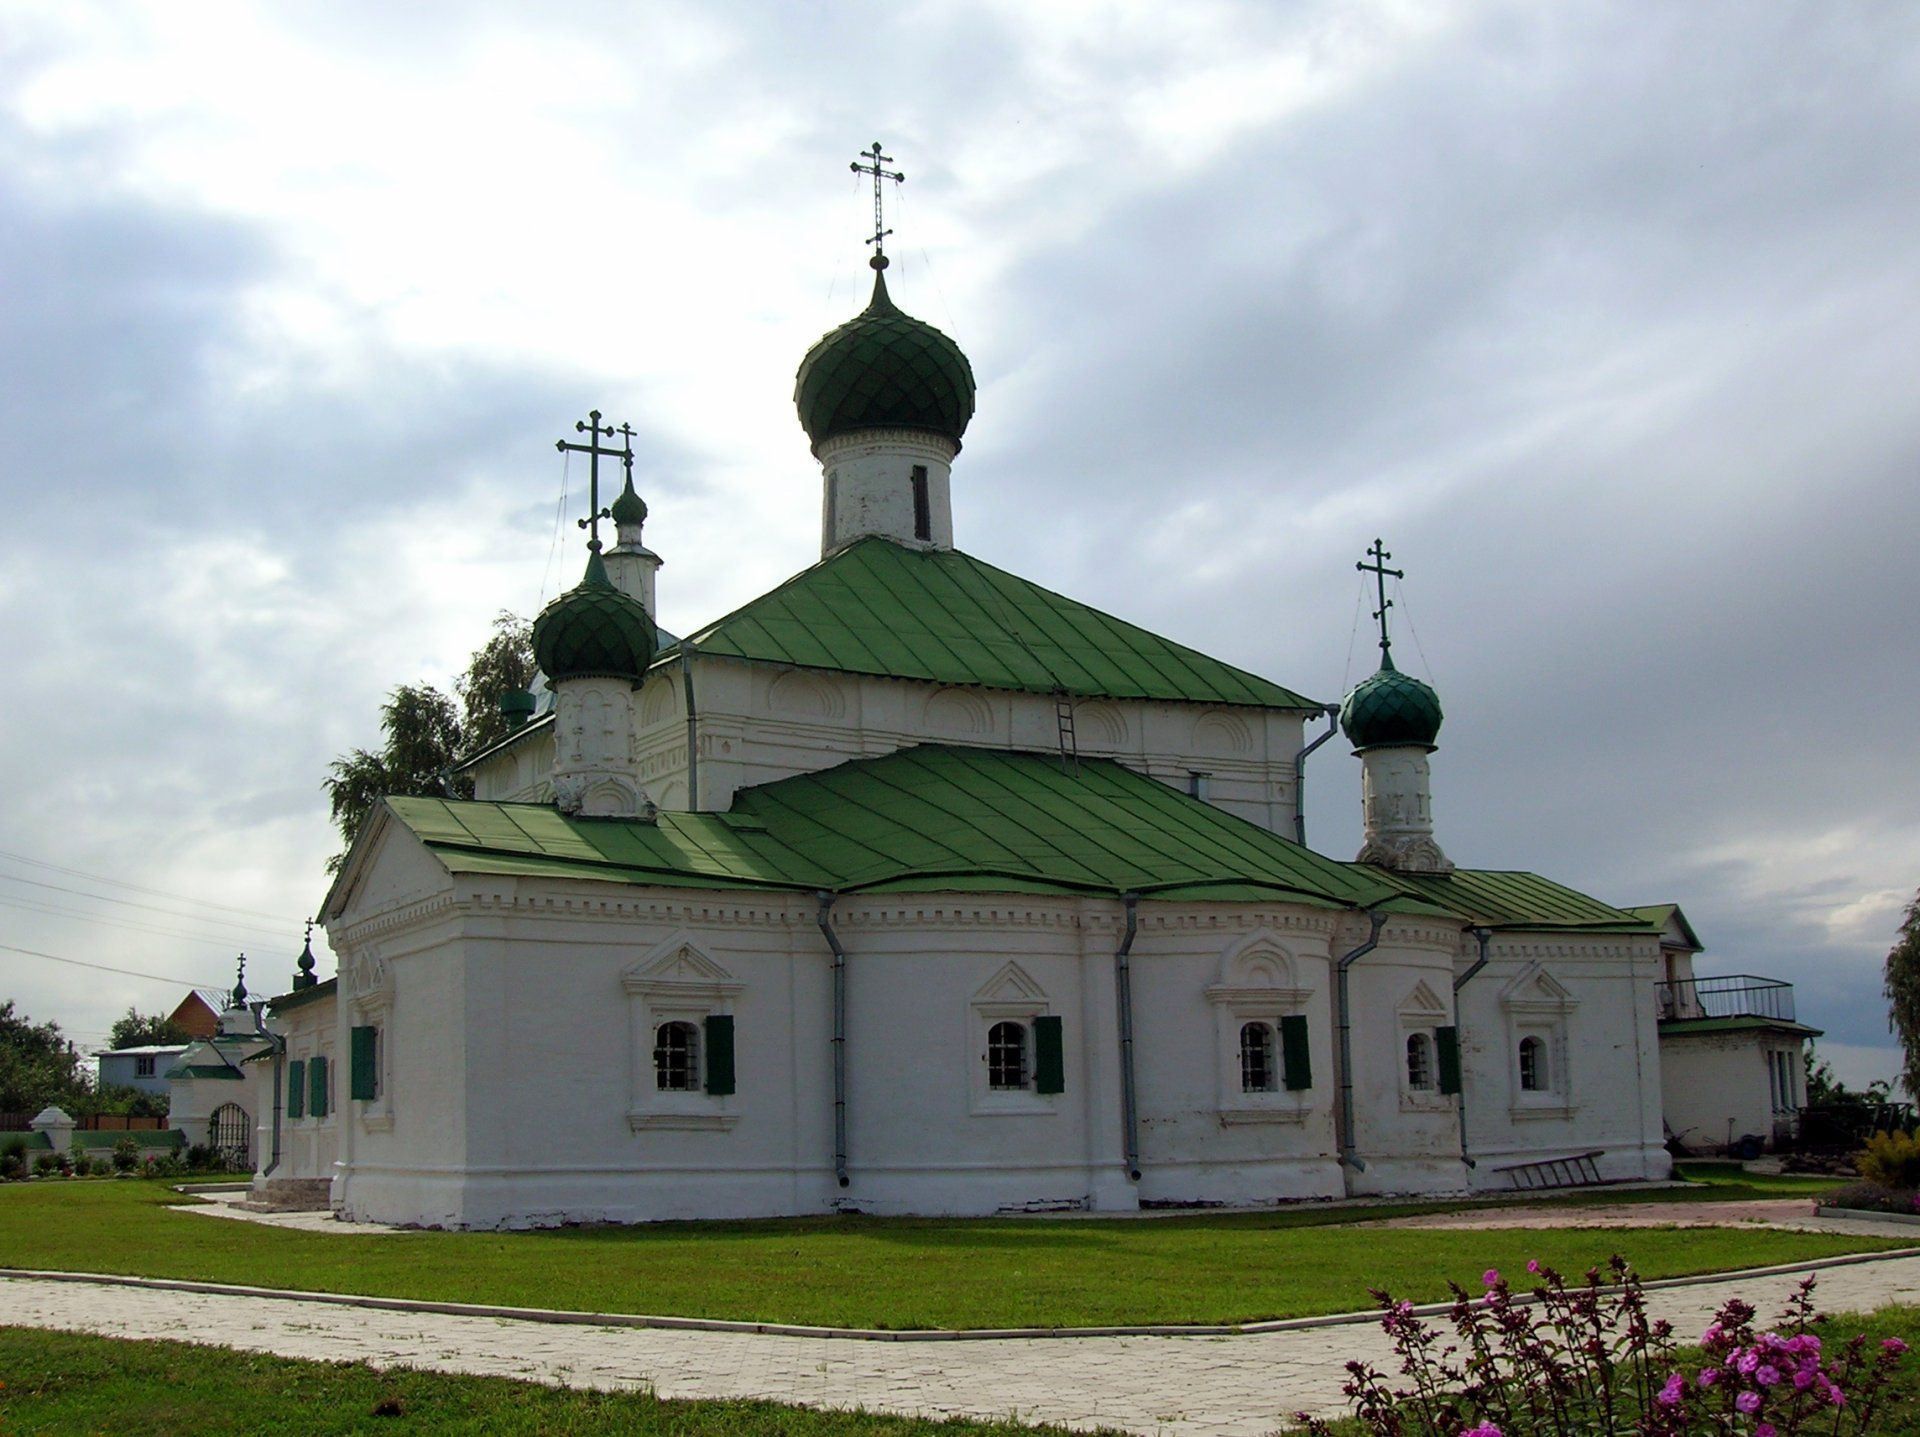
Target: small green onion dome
{"type": "Point", "coordinates": [883, 370]}
{"type": "Point", "coordinates": [1391, 708]}
{"type": "Point", "coordinates": [629, 508]}
{"type": "Point", "coordinates": [593, 631]}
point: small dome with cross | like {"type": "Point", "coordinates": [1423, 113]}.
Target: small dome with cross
{"type": "Point", "coordinates": [1391, 708]}
{"type": "Point", "coordinates": [593, 631]}
{"type": "Point", "coordinates": [884, 369]}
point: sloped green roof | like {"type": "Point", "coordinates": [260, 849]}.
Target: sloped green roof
{"type": "Point", "coordinates": [925, 819]}
{"type": "Point", "coordinates": [1494, 899]}
{"type": "Point", "coordinates": [877, 607]}
{"type": "Point", "coordinates": [1689, 1027]}
{"type": "Point", "coordinates": [1659, 915]}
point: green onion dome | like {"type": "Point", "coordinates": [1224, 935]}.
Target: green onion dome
{"type": "Point", "coordinates": [629, 508]}
{"type": "Point", "coordinates": [883, 370]}
{"type": "Point", "coordinates": [593, 631]}
{"type": "Point", "coordinates": [1391, 708]}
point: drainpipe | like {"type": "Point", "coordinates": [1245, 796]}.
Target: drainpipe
{"type": "Point", "coordinates": [1300, 775]}
{"type": "Point", "coordinates": [1123, 996]}
{"type": "Point", "coordinates": [1481, 936]}
{"type": "Point", "coordinates": [693, 727]}
{"type": "Point", "coordinates": [279, 1045]}
{"type": "Point", "coordinates": [825, 919]}
{"type": "Point", "coordinates": [1349, 1159]}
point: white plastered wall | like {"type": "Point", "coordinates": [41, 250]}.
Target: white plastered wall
{"type": "Point", "coordinates": [1718, 1088]}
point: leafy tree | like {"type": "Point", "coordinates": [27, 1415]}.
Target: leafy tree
{"type": "Point", "coordinates": [38, 1066]}
{"type": "Point", "coordinates": [1903, 995]}
{"type": "Point", "coordinates": [503, 663]}
{"type": "Point", "coordinates": [426, 735]}
{"type": "Point", "coordinates": [141, 1030]}
{"type": "Point", "coordinates": [1825, 1090]}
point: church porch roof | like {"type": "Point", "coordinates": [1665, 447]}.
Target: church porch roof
{"type": "Point", "coordinates": [1499, 899]}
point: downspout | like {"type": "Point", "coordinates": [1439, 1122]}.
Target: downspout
{"type": "Point", "coordinates": [279, 1045]}
{"type": "Point", "coordinates": [1300, 775]}
{"type": "Point", "coordinates": [1482, 936]}
{"type": "Point", "coordinates": [1123, 998]}
{"type": "Point", "coordinates": [825, 919]}
{"type": "Point", "coordinates": [693, 727]}
{"type": "Point", "coordinates": [1349, 1159]}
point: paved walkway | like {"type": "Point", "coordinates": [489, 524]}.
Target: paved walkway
{"type": "Point", "coordinates": [1238, 1386]}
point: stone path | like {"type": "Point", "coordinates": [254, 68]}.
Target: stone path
{"type": "Point", "coordinates": [1238, 1386]}
{"type": "Point", "coordinates": [1794, 1214]}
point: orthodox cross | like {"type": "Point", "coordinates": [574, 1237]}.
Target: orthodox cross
{"type": "Point", "coordinates": [240, 984]}
{"type": "Point", "coordinates": [595, 431]}
{"type": "Point", "coordinates": [1378, 568]}
{"type": "Point", "coordinates": [878, 169]}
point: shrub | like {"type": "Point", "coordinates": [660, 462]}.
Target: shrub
{"type": "Point", "coordinates": [202, 1158]}
{"type": "Point", "coordinates": [1891, 1159]}
{"type": "Point", "coordinates": [100, 1167]}
{"type": "Point", "coordinates": [14, 1147]}
{"type": "Point", "coordinates": [1586, 1360]}
{"type": "Point", "coordinates": [12, 1167]}
{"type": "Point", "coordinates": [1871, 1197]}
{"type": "Point", "coordinates": [126, 1155]}
{"type": "Point", "coordinates": [46, 1164]}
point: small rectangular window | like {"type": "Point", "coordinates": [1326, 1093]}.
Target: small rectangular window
{"type": "Point", "coordinates": [922, 505]}
{"type": "Point", "coordinates": [1006, 1057]}
{"type": "Point", "coordinates": [1197, 783]}
{"type": "Point", "coordinates": [143, 1067]}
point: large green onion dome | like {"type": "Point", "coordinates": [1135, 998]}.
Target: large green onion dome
{"type": "Point", "coordinates": [1391, 708]}
{"type": "Point", "coordinates": [593, 631]}
{"type": "Point", "coordinates": [883, 370]}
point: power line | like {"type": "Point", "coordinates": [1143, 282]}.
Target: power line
{"type": "Point", "coordinates": [60, 911]}
{"type": "Point", "coordinates": [103, 968]}
{"type": "Point", "coordinates": [139, 888]}
{"type": "Point", "coordinates": [254, 929]}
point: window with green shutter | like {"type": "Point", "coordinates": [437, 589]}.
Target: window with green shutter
{"type": "Point", "coordinates": [1049, 1057]}
{"type": "Point", "coordinates": [719, 1036]}
{"type": "Point", "coordinates": [1447, 1040]}
{"type": "Point", "coordinates": [365, 1053]}
{"type": "Point", "coordinates": [1295, 1060]}
{"type": "Point", "coordinates": [317, 1086]}
{"type": "Point", "coordinates": [297, 1088]}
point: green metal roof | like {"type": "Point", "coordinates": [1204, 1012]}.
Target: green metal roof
{"type": "Point", "coordinates": [877, 607]}
{"type": "Point", "coordinates": [1494, 899]}
{"type": "Point", "coordinates": [300, 997]}
{"type": "Point", "coordinates": [1391, 708]}
{"type": "Point", "coordinates": [1690, 1027]}
{"type": "Point", "coordinates": [593, 629]}
{"type": "Point", "coordinates": [204, 1070]}
{"type": "Point", "coordinates": [1659, 915]}
{"type": "Point", "coordinates": [925, 819]}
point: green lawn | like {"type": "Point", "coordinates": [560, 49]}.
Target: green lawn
{"type": "Point", "coordinates": [60, 1382]}
{"type": "Point", "coordinates": [861, 1272]}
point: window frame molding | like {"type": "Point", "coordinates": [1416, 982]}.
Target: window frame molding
{"type": "Point", "coordinates": [1421, 1011]}
{"type": "Point", "coordinates": [1011, 995]}
{"type": "Point", "coordinates": [676, 981]}
{"type": "Point", "coordinates": [1535, 1004]}
{"type": "Point", "coordinates": [1256, 983]}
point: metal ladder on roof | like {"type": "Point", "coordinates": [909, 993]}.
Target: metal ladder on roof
{"type": "Point", "coordinates": [1069, 741]}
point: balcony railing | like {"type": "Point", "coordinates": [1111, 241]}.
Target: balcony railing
{"type": "Point", "coordinates": [1739, 995]}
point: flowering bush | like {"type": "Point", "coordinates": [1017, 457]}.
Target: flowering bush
{"type": "Point", "coordinates": [1891, 1160]}
{"type": "Point", "coordinates": [1586, 1359]}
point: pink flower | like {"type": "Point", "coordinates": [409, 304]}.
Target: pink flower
{"type": "Point", "coordinates": [1670, 1394]}
{"type": "Point", "coordinates": [1491, 1277]}
{"type": "Point", "coordinates": [1766, 1429]}
{"type": "Point", "coordinates": [1709, 1376]}
{"type": "Point", "coordinates": [1836, 1396]}
{"type": "Point", "coordinates": [1533, 1263]}
{"type": "Point", "coordinates": [1765, 1375]}
{"type": "Point", "coordinates": [1803, 1379]}
{"type": "Point", "coordinates": [1747, 1362]}
{"type": "Point", "coordinates": [1894, 1345]}
{"type": "Point", "coordinates": [1485, 1429]}
{"type": "Point", "coordinates": [1748, 1402]}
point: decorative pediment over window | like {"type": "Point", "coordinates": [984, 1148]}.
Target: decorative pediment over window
{"type": "Point", "coordinates": [1535, 990]}
{"type": "Point", "coordinates": [1012, 988]}
{"type": "Point", "coordinates": [679, 968]}
{"type": "Point", "coordinates": [372, 979]}
{"type": "Point", "coordinates": [1257, 969]}
{"type": "Point", "coordinates": [1422, 1004]}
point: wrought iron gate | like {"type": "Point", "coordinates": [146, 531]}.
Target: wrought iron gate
{"type": "Point", "coordinates": [230, 1131]}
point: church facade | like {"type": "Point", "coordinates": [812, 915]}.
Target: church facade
{"type": "Point", "coordinates": [915, 887]}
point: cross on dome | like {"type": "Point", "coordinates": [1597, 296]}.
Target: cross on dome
{"type": "Point", "coordinates": [877, 167]}
{"type": "Point", "coordinates": [593, 449]}
{"type": "Point", "coordinates": [1378, 568]}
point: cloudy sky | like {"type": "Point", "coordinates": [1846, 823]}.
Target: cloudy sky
{"type": "Point", "coordinates": [1604, 316]}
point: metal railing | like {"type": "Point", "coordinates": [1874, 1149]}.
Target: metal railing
{"type": "Point", "coordinates": [1738, 995]}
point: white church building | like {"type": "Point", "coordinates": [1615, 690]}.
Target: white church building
{"type": "Point", "coordinates": [915, 887]}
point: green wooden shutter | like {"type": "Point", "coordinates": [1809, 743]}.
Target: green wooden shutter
{"type": "Point", "coordinates": [1295, 1060]}
{"type": "Point", "coordinates": [297, 1088]}
{"type": "Point", "coordinates": [719, 1033]}
{"type": "Point", "coordinates": [366, 1082]}
{"type": "Point", "coordinates": [317, 1086]}
{"type": "Point", "coordinates": [1448, 1041]}
{"type": "Point", "coordinates": [1049, 1057]}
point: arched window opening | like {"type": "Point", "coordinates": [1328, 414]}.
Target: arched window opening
{"type": "Point", "coordinates": [230, 1133]}
{"type": "Point", "coordinates": [1420, 1062]}
{"type": "Point", "coordinates": [1007, 1056]}
{"type": "Point", "coordinates": [676, 1058]}
{"type": "Point", "coordinates": [1533, 1066]}
{"type": "Point", "coordinates": [1257, 1073]}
